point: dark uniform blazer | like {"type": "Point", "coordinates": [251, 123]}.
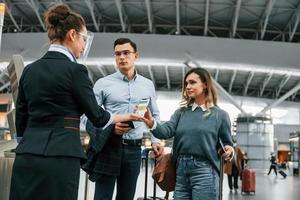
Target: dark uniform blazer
{"type": "Point", "coordinates": [104, 152]}
{"type": "Point", "coordinates": [53, 93]}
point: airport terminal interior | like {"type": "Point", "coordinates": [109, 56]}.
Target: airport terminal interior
{"type": "Point", "coordinates": [250, 48]}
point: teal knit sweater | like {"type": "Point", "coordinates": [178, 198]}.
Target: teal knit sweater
{"type": "Point", "coordinates": [197, 132]}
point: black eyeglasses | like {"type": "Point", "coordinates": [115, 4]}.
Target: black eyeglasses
{"type": "Point", "coordinates": [125, 53]}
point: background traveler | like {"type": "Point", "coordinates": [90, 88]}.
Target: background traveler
{"type": "Point", "coordinates": [273, 164]}
{"type": "Point", "coordinates": [234, 168]}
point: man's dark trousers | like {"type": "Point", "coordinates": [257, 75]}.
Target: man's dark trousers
{"type": "Point", "coordinates": [126, 182]}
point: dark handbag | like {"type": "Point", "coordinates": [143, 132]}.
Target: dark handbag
{"type": "Point", "coordinates": [164, 173]}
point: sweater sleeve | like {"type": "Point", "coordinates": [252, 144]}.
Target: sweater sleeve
{"type": "Point", "coordinates": [167, 129]}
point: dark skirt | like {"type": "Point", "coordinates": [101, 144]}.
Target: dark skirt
{"type": "Point", "coordinates": [38, 177]}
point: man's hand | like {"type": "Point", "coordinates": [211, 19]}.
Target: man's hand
{"type": "Point", "coordinates": [158, 150]}
{"type": "Point", "coordinates": [121, 128]}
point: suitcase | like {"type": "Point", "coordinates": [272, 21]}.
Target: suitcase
{"type": "Point", "coordinates": [282, 173]}
{"type": "Point", "coordinates": [248, 181]}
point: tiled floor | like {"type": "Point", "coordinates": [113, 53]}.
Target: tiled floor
{"type": "Point", "coordinates": [267, 187]}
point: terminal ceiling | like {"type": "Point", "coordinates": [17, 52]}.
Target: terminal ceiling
{"type": "Point", "coordinates": [268, 20]}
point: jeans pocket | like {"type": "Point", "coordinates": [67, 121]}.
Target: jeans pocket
{"type": "Point", "coordinates": [202, 163]}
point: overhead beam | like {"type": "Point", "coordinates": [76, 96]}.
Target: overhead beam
{"type": "Point", "coordinates": [206, 18]}
{"type": "Point", "coordinates": [212, 33]}
{"type": "Point", "coordinates": [264, 21]}
{"type": "Point", "coordinates": [219, 87]}
{"type": "Point", "coordinates": [121, 16]}
{"type": "Point", "coordinates": [167, 77]}
{"type": "Point", "coordinates": [289, 26]}
{"type": "Point", "coordinates": [35, 6]}
{"type": "Point", "coordinates": [265, 83]}
{"type": "Point", "coordinates": [282, 84]}
{"type": "Point", "coordinates": [249, 79]}
{"type": "Point", "coordinates": [8, 10]}
{"type": "Point", "coordinates": [295, 94]}
{"type": "Point", "coordinates": [217, 74]}
{"type": "Point", "coordinates": [91, 74]}
{"type": "Point", "coordinates": [149, 15]}
{"type": "Point", "coordinates": [236, 16]}
{"type": "Point", "coordinates": [2, 74]}
{"type": "Point", "coordinates": [99, 67]}
{"type": "Point", "coordinates": [232, 81]}
{"type": "Point", "coordinates": [281, 99]}
{"type": "Point", "coordinates": [4, 86]}
{"type": "Point", "coordinates": [173, 30]}
{"type": "Point", "coordinates": [151, 75]}
{"type": "Point", "coordinates": [91, 5]}
{"type": "Point", "coordinates": [185, 31]}
{"type": "Point", "coordinates": [178, 17]}
{"type": "Point", "coordinates": [291, 36]}
{"type": "Point", "coordinates": [183, 75]}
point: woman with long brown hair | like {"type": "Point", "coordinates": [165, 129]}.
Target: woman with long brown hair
{"type": "Point", "coordinates": [54, 92]}
{"type": "Point", "coordinates": [197, 128]}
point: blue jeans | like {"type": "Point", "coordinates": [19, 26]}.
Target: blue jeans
{"type": "Point", "coordinates": [196, 180]}
{"type": "Point", "coordinates": [126, 181]}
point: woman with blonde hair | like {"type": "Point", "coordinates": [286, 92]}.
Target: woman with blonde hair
{"type": "Point", "coordinates": [197, 128]}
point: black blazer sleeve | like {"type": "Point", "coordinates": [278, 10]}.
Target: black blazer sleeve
{"type": "Point", "coordinates": [83, 92]}
{"type": "Point", "coordinates": [21, 110]}
{"type": "Point", "coordinates": [98, 136]}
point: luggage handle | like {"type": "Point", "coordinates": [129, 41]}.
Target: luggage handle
{"type": "Point", "coordinates": [146, 175]}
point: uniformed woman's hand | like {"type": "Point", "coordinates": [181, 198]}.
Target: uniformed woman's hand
{"type": "Point", "coordinates": [127, 117]}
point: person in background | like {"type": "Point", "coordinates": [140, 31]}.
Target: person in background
{"type": "Point", "coordinates": [244, 163]}
{"type": "Point", "coordinates": [197, 128]}
{"type": "Point", "coordinates": [54, 92]}
{"type": "Point", "coordinates": [121, 92]}
{"type": "Point", "coordinates": [273, 164]}
{"type": "Point", "coordinates": [233, 168]}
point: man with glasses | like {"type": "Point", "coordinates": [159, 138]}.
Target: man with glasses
{"type": "Point", "coordinates": [121, 92]}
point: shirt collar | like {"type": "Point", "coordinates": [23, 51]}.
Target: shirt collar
{"type": "Point", "coordinates": [124, 78]}
{"type": "Point", "coordinates": [64, 50]}
{"type": "Point", "coordinates": [203, 107]}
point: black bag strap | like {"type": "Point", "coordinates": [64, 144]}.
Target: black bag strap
{"type": "Point", "coordinates": [166, 196]}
